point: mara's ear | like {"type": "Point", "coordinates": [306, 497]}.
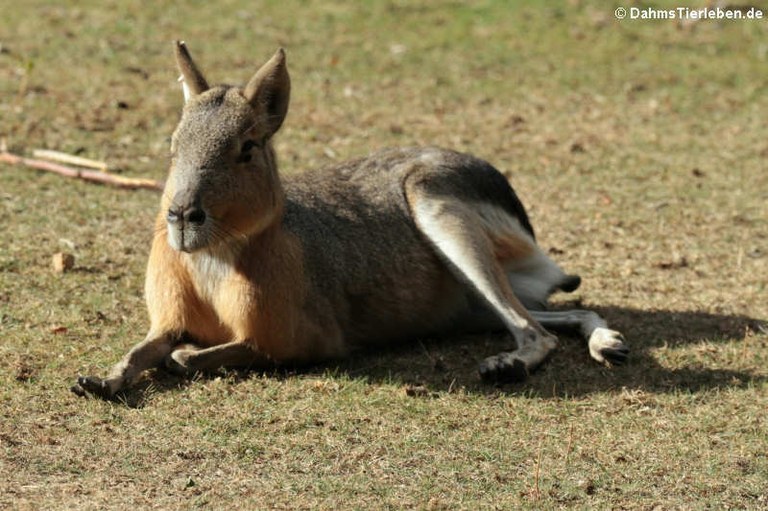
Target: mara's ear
{"type": "Point", "coordinates": [269, 91]}
{"type": "Point", "coordinates": [192, 80]}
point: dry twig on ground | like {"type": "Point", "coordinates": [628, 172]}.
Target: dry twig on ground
{"type": "Point", "coordinates": [96, 176]}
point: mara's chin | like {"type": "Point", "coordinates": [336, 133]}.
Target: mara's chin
{"type": "Point", "coordinates": [187, 240]}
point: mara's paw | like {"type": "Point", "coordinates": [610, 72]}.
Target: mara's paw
{"type": "Point", "coordinates": [607, 345]}
{"type": "Point", "coordinates": [503, 368]}
{"type": "Point", "coordinates": [92, 386]}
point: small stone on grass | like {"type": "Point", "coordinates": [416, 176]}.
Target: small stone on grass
{"type": "Point", "coordinates": [62, 262]}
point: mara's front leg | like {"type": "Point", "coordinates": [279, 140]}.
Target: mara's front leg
{"type": "Point", "coordinates": [190, 358]}
{"type": "Point", "coordinates": [147, 354]}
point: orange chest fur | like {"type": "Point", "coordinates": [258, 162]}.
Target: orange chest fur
{"type": "Point", "coordinates": [227, 299]}
{"type": "Point", "coordinates": [218, 299]}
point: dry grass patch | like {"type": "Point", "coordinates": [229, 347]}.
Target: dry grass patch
{"type": "Point", "coordinates": [640, 150]}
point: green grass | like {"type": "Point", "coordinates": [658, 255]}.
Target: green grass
{"type": "Point", "coordinates": [639, 148]}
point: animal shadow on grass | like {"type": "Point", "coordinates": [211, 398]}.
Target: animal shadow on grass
{"type": "Point", "coordinates": [433, 366]}
{"type": "Point", "coordinates": [443, 365]}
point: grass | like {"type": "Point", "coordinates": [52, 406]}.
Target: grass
{"type": "Point", "coordinates": [639, 148]}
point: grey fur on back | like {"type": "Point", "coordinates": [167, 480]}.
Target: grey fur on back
{"type": "Point", "coordinates": [362, 247]}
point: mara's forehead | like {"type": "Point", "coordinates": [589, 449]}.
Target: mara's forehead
{"type": "Point", "coordinates": [217, 115]}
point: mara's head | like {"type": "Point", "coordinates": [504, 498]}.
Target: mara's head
{"type": "Point", "coordinates": [223, 185]}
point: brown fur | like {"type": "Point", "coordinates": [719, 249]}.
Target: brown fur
{"type": "Point", "coordinates": [249, 269]}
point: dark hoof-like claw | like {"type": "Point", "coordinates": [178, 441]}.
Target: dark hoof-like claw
{"type": "Point", "coordinates": [503, 368]}
{"type": "Point", "coordinates": [77, 390]}
{"type": "Point", "coordinates": [608, 346]}
{"type": "Point", "coordinates": [92, 385]}
{"type": "Point", "coordinates": [615, 356]}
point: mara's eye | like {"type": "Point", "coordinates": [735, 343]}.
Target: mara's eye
{"type": "Point", "coordinates": [245, 151]}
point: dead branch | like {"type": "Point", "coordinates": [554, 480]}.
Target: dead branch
{"type": "Point", "coordinates": [95, 176]}
{"type": "Point", "coordinates": [58, 156]}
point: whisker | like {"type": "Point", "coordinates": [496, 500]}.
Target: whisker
{"type": "Point", "coordinates": [226, 232]}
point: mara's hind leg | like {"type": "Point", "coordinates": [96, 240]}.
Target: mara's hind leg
{"type": "Point", "coordinates": [462, 239]}
{"type": "Point", "coordinates": [535, 278]}
{"type": "Point", "coordinates": [605, 345]}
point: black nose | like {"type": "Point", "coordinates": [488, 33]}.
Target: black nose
{"type": "Point", "coordinates": [192, 215]}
